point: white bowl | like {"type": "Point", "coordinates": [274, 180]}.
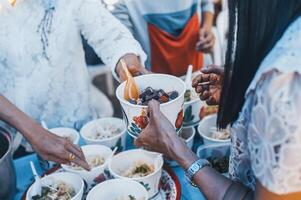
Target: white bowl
{"type": "Point", "coordinates": [192, 112]}
{"type": "Point", "coordinates": [71, 179]}
{"type": "Point", "coordinates": [90, 150]}
{"type": "Point", "coordinates": [173, 110]}
{"type": "Point", "coordinates": [66, 132]}
{"type": "Point", "coordinates": [205, 132]}
{"type": "Point", "coordinates": [123, 161]}
{"type": "Point", "coordinates": [116, 188]}
{"type": "Point", "coordinates": [188, 134]}
{"type": "Point", "coordinates": [91, 128]}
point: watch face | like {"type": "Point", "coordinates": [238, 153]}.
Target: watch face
{"type": "Point", "coordinates": [195, 167]}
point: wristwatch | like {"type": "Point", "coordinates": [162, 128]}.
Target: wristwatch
{"type": "Point", "coordinates": [194, 168]}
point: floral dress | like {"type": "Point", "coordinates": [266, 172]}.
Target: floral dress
{"type": "Point", "coordinates": [266, 138]}
{"type": "Point", "coordinates": [42, 65]}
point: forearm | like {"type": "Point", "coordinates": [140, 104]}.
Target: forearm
{"type": "Point", "coordinates": [208, 180]}
{"type": "Point", "coordinates": [207, 20]}
{"type": "Point", "coordinates": [10, 114]}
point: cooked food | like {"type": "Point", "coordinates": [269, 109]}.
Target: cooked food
{"type": "Point", "coordinates": [220, 134]}
{"type": "Point", "coordinates": [220, 164]}
{"type": "Point", "coordinates": [93, 161]}
{"type": "Point", "coordinates": [58, 191]}
{"type": "Point", "coordinates": [149, 93]}
{"type": "Point", "coordinates": [129, 197]}
{"type": "Point", "coordinates": [208, 110]}
{"type": "Point", "coordinates": [139, 169]}
{"type": "Point", "coordinates": [104, 132]}
{"type": "Point", "coordinates": [190, 95]}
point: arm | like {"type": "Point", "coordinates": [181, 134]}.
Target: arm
{"type": "Point", "coordinates": [121, 12]}
{"type": "Point", "coordinates": [48, 145]}
{"type": "Point", "coordinates": [109, 38]}
{"type": "Point", "coordinates": [207, 39]}
{"type": "Point", "coordinates": [160, 136]}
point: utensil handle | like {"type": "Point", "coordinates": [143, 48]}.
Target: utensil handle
{"type": "Point", "coordinates": [125, 69]}
{"type": "Point", "coordinates": [34, 171]}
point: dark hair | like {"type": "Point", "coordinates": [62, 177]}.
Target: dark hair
{"type": "Point", "coordinates": [255, 26]}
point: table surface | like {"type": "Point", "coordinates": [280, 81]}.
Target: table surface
{"type": "Point", "coordinates": [25, 178]}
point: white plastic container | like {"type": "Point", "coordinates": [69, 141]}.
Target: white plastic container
{"type": "Point", "coordinates": [89, 150]}
{"type": "Point", "coordinates": [125, 160]}
{"type": "Point", "coordinates": [173, 110]}
{"type": "Point", "coordinates": [91, 128]}
{"type": "Point", "coordinates": [117, 188]}
{"type": "Point", "coordinates": [205, 130]}
{"type": "Point", "coordinates": [75, 181]}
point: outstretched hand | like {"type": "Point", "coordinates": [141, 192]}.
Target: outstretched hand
{"type": "Point", "coordinates": [58, 149]}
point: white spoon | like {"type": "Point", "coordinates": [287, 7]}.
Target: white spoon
{"type": "Point", "coordinates": [111, 155]}
{"type": "Point", "coordinates": [37, 185]}
{"type": "Point", "coordinates": [188, 78]}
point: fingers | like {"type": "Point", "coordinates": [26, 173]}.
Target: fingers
{"type": "Point", "coordinates": [199, 79]}
{"type": "Point", "coordinates": [76, 151]}
{"type": "Point", "coordinates": [82, 163]}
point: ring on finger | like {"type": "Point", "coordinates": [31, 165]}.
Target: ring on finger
{"type": "Point", "coordinates": [71, 157]}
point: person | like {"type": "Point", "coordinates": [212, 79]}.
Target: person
{"type": "Point", "coordinates": [174, 34]}
{"type": "Point", "coordinates": [260, 98]}
{"type": "Point", "coordinates": [43, 72]}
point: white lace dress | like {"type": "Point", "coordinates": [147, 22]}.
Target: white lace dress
{"type": "Point", "coordinates": [267, 136]}
{"type": "Point", "coordinates": [42, 65]}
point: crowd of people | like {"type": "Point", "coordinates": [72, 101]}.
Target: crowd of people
{"type": "Point", "coordinates": [44, 78]}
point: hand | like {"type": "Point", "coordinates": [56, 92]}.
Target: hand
{"type": "Point", "coordinates": [210, 92]}
{"type": "Point", "coordinates": [134, 66]}
{"type": "Point", "coordinates": [206, 40]}
{"type": "Point", "coordinates": [160, 136]}
{"type": "Point", "coordinates": [57, 149]}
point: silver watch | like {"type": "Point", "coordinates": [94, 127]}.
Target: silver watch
{"type": "Point", "coordinates": [194, 168]}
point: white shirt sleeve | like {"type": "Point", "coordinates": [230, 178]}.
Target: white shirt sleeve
{"type": "Point", "coordinates": [121, 12]}
{"type": "Point", "coordinates": [108, 37]}
{"type": "Point", "coordinates": [207, 6]}
{"type": "Point", "coordinates": [274, 132]}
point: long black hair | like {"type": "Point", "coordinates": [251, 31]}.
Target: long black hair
{"type": "Point", "coordinates": [255, 26]}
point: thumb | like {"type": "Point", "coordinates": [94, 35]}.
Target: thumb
{"type": "Point", "coordinates": [153, 109]}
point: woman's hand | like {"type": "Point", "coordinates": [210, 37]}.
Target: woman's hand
{"type": "Point", "coordinates": [57, 149]}
{"type": "Point", "coordinates": [206, 40]}
{"type": "Point", "coordinates": [209, 92]}
{"type": "Point", "coordinates": [160, 136]}
{"type": "Point", "coordinates": [134, 65]}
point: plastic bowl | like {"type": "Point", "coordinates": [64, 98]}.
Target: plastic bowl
{"type": "Point", "coordinates": [173, 110]}
{"type": "Point", "coordinates": [205, 127]}
{"type": "Point", "coordinates": [66, 132]}
{"type": "Point", "coordinates": [71, 179]}
{"type": "Point", "coordinates": [116, 188]}
{"type": "Point", "coordinates": [123, 161]}
{"type": "Point", "coordinates": [89, 150]}
{"type": "Point", "coordinates": [91, 128]}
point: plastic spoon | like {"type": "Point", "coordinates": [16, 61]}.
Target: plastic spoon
{"type": "Point", "coordinates": [188, 78]}
{"type": "Point", "coordinates": [37, 185]}
{"type": "Point", "coordinates": [111, 155]}
{"type": "Point", "coordinates": [131, 90]}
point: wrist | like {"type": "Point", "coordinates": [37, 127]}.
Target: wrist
{"type": "Point", "coordinates": [184, 156]}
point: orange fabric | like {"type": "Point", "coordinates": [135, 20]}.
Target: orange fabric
{"type": "Point", "coordinates": [263, 194]}
{"type": "Point", "coordinates": [172, 55]}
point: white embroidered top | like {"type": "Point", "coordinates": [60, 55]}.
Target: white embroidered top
{"type": "Point", "coordinates": [53, 85]}
{"type": "Point", "coordinates": [267, 136]}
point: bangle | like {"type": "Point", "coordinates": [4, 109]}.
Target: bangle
{"type": "Point", "coordinates": [238, 191]}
